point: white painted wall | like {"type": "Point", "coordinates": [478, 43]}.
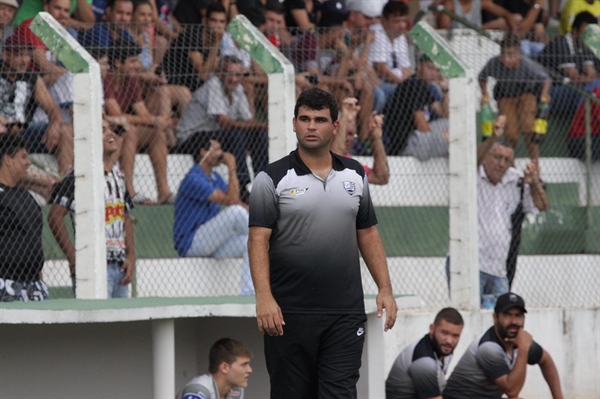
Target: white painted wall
{"type": "Point", "coordinates": [114, 360]}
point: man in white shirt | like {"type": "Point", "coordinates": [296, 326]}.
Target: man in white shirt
{"type": "Point", "coordinates": [389, 51]}
{"type": "Point", "coordinates": [501, 189]}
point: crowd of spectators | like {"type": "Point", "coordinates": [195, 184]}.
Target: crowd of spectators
{"type": "Point", "coordinates": [171, 71]}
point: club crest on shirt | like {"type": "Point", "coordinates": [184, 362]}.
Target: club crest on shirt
{"type": "Point", "coordinates": [349, 186]}
{"type": "Point", "coordinates": [298, 191]}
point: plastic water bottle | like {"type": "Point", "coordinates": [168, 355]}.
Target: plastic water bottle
{"type": "Point", "coordinates": [540, 126]}
{"type": "Point", "coordinates": [487, 120]}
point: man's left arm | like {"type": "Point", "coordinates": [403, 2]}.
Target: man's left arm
{"type": "Point", "coordinates": [551, 375]}
{"type": "Point", "coordinates": [44, 101]}
{"type": "Point", "coordinates": [371, 248]}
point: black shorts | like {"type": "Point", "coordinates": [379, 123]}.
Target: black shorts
{"type": "Point", "coordinates": [318, 356]}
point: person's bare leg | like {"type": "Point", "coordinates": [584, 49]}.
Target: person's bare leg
{"type": "Point", "coordinates": [157, 151]}
{"type": "Point", "coordinates": [365, 100]}
{"type": "Point", "coordinates": [38, 181]}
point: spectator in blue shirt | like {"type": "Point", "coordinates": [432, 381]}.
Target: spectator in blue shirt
{"type": "Point", "coordinates": [117, 15]}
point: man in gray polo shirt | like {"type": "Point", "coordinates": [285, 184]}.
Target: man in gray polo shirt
{"type": "Point", "coordinates": [496, 362]}
{"type": "Point", "coordinates": [310, 215]}
{"type": "Point", "coordinates": [419, 372]}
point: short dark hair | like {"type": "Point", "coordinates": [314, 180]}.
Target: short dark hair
{"type": "Point", "coordinates": [122, 49]}
{"type": "Point", "coordinates": [97, 52]}
{"type": "Point", "coordinates": [275, 6]}
{"type": "Point", "coordinates": [424, 58]}
{"type": "Point", "coordinates": [225, 350]}
{"type": "Point", "coordinates": [111, 3]}
{"type": "Point", "coordinates": [10, 144]}
{"type": "Point", "coordinates": [584, 17]}
{"type": "Point", "coordinates": [317, 99]}
{"type": "Point", "coordinates": [394, 9]}
{"type": "Point", "coordinates": [449, 315]}
{"type": "Point", "coordinates": [197, 142]}
{"type": "Point", "coordinates": [510, 40]}
{"type": "Point", "coordinates": [214, 7]}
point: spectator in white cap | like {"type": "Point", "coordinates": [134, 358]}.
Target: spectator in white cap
{"type": "Point", "coordinates": [368, 9]}
{"type": "Point", "coordinates": [8, 8]}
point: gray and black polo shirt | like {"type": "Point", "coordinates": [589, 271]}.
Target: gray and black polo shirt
{"type": "Point", "coordinates": [417, 372]}
{"type": "Point", "coordinates": [484, 362]}
{"type": "Point", "coordinates": [313, 249]}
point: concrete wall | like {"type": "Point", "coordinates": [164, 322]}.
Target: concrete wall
{"type": "Point", "coordinates": [114, 360]}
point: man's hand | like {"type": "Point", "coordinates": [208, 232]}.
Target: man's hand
{"type": "Point", "coordinates": [443, 82]}
{"type": "Point", "coordinates": [163, 122]}
{"type": "Point", "coordinates": [350, 109]}
{"type": "Point", "coordinates": [385, 300]}
{"type": "Point", "coordinates": [52, 136]}
{"type": "Point", "coordinates": [499, 125]}
{"type": "Point", "coordinates": [127, 267]}
{"type": "Point", "coordinates": [375, 126]}
{"type": "Point", "coordinates": [269, 316]}
{"type": "Point", "coordinates": [229, 161]}
{"type": "Point", "coordinates": [522, 341]}
{"type": "Point", "coordinates": [532, 173]}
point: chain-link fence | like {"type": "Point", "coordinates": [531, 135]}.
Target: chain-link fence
{"type": "Point", "coordinates": [165, 99]}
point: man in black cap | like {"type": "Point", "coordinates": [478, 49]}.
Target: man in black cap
{"type": "Point", "coordinates": [491, 366]}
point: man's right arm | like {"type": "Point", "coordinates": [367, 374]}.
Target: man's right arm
{"type": "Point", "coordinates": [512, 383]}
{"type": "Point", "coordinates": [232, 195]}
{"type": "Point", "coordinates": [268, 313]}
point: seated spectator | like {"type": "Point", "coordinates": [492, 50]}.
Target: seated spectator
{"type": "Point", "coordinates": [471, 11]}
{"type": "Point", "coordinates": [229, 369]}
{"type": "Point", "coordinates": [572, 8]}
{"type": "Point", "coordinates": [123, 97]}
{"type": "Point", "coordinates": [161, 98]}
{"type": "Point", "coordinates": [568, 57]}
{"type": "Point", "coordinates": [576, 137]}
{"type": "Point", "coordinates": [79, 10]}
{"type": "Point", "coordinates": [21, 253]}
{"type": "Point", "coordinates": [221, 106]}
{"type": "Point", "coordinates": [528, 17]}
{"type": "Point", "coordinates": [389, 50]}
{"type": "Point", "coordinates": [120, 250]}
{"type": "Point", "coordinates": [343, 142]}
{"type": "Point", "coordinates": [409, 127]}
{"type": "Point", "coordinates": [8, 8]}
{"type": "Point", "coordinates": [195, 54]}
{"type": "Point", "coordinates": [359, 39]}
{"type": "Point", "coordinates": [519, 82]}
{"type": "Point", "coordinates": [274, 27]}
{"type": "Point", "coordinates": [300, 15]}
{"type": "Point", "coordinates": [20, 90]}
{"type": "Point", "coordinates": [202, 227]}
{"type": "Point", "coordinates": [117, 18]}
{"type": "Point", "coordinates": [43, 60]}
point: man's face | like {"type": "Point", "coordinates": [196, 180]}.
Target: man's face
{"type": "Point", "coordinates": [59, 9]}
{"type": "Point", "coordinates": [445, 336]}
{"type": "Point", "coordinates": [510, 57]}
{"type": "Point", "coordinates": [395, 25]}
{"type": "Point", "coordinates": [217, 22]}
{"type": "Point", "coordinates": [273, 22]}
{"type": "Point", "coordinates": [239, 371]}
{"type": "Point", "coordinates": [18, 60]}
{"type": "Point", "coordinates": [429, 72]}
{"type": "Point", "coordinates": [314, 128]}
{"type": "Point", "coordinates": [130, 66]}
{"type": "Point", "coordinates": [233, 76]}
{"type": "Point", "coordinates": [110, 144]}
{"type": "Point", "coordinates": [509, 323]}
{"type": "Point", "coordinates": [121, 13]}
{"type": "Point", "coordinates": [497, 162]}
{"type": "Point", "coordinates": [214, 155]}
{"type": "Point", "coordinates": [17, 165]}
{"type": "Point", "coordinates": [360, 20]}
{"type": "Point", "coordinates": [6, 14]}
{"type": "Point", "coordinates": [580, 30]}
